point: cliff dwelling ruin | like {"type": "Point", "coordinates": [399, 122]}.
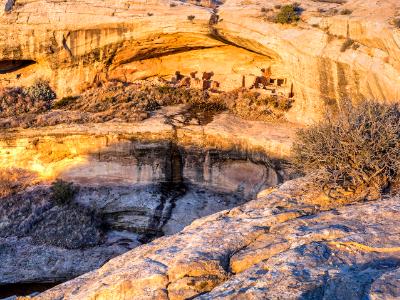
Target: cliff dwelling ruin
{"type": "Point", "coordinates": [265, 83]}
{"type": "Point", "coordinates": [148, 145]}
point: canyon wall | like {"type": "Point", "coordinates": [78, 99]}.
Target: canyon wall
{"type": "Point", "coordinates": [78, 44]}
{"type": "Point", "coordinates": [135, 182]}
{"type": "Point", "coordinates": [89, 151]}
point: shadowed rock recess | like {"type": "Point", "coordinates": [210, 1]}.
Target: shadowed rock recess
{"type": "Point", "coordinates": [188, 198]}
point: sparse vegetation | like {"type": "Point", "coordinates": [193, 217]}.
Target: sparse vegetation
{"type": "Point", "coordinates": [396, 22]}
{"type": "Point", "coordinates": [357, 150]}
{"type": "Point", "coordinates": [14, 180]}
{"type": "Point", "coordinates": [346, 12]}
{"type": "Point", "coordinates": [191, 18]}
{"type": "Point", "coordinates": [41, 90]}
{"type": "Point", "coordinates": [62, 192]}
{"type": "Point", "coordinates": [255, 106]}
{"type": "Point", "coordinates": [34, 99]}
{"type": "Point", "coordinates": [331, 1]}
{"type": "Point", "coordinates": [124, 102]}
{"type": "Point", "coordinates": [288, 14]}
{"type": "Point", "coordinates": [334, 11]}
{"type": "Point", "coordinates": [346, 45]}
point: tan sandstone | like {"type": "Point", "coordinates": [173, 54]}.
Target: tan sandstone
{"type": "Point", "coordinates": [78, 43]}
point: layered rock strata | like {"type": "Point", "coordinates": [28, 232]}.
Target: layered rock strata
{"type": "Point", "coordinates": [291, 243]}
{"type": "Point", "coordinates": [136, 182]}
{"type": "Point", "coordinates": [86, 42]}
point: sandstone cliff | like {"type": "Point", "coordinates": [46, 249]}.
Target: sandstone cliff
{"type": "Point", "coordinates": [153, 176]}
{"type": "Point", "coordinates": [75, 44]}
{"type": "Point", "coordinates": [136, 182]}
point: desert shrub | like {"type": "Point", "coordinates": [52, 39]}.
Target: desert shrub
{"type": "Point", "coordinates": [169, 95]}
{"type": "Point", "coordinates": [41, 90]}
{"type": "Point", "coordinates": [346, 45]}
{"type": "Point", "coordinates": [62, 192]}
{"type": "Point", "coordinates": [191, 17]}
{"type": "Point", "coordinates": [254, 105]}
{"type": "Point", "coordinates": [396, 22]}
{"type": "Point", "coordinates": [334, 11]}
{"type": "Point", "coordinates": [357, 150]}
{"type": "Point", "coordinates": [331, 1]}
{"type": "Point", "coordinates": [13, 180]}
{"type": "Point", "coordinates": [16, 101]}
{"type": "Point", "coordinates": [346, 12]}
{"type": "Point", "coordinates": [70, 227]}
{"type": "Point", "coordinates": [288, 14]}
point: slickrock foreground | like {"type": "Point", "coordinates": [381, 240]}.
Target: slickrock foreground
{"type": "Point", "coordinates": [288, 244]}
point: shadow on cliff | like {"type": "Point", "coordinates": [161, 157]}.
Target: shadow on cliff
{"type": "Point", "coordinates": [353, 282]}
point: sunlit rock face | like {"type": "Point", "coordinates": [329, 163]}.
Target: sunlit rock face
{"type": "Point", "coordinates": [78, 44]}
{"type": "Point", "coordinates": [141, 183]}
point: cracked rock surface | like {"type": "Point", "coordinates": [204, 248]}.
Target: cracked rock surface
{"type": "Point", "coordinates": [291, 243]}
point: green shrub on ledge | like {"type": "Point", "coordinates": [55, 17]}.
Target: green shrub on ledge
{"type": "Point", "coordinates": [62, 192]}
{"type": "Point", "coordinates": [41, 90]}
{"type": "Point", "coordinates": [288, 14]}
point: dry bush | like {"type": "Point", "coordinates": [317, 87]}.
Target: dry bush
{"type": "Point", "coordinates": [346, 12]}
{"type": "Point", "coordinates": [34, 99]}
{"type": "Point", "coordinates": [15, 101]}
{"type": "Point", "coordinates": [62, 192]}
{"type": "Point", "coordinates": [346, 45]}
{"type": "Point", "coordinates": [331, 1]}
{"type": "Point", "coordinates": [358, 150]}
{"type": "Point", "coordinates": [15, 180]}
{"type": "Point", "coordinates": [255, 106]}
{"type": "Point", "coordinates": [41, 90]}
{"type": "Point", "coordinates": [134, 102]}
{"type": "Point", "coordinates": [396, 22]}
